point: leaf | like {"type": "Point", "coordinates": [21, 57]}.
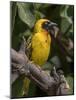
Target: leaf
{"type": "Point", "coordinates": [26, 14]}
{"type": "Point", "coordinates": [13, 14]}
{"type": "Point", "coordinates": [47, 66]}
{"type": "Point", "coordinates": [38, 14]}
{"type": "Point", "coordinates": [26, 34]}
{"type": "Point", "coordinates": [17, 88]}
{"type": "Point", "coordinates": [37, 6]}
{"type": "Point", "coordinates": [66, 20]}
{"type": "Point", "coordinates": [40, 6]}
{"type": "Point", "coordinates": [56, 61]}
{"type": "Point", "coordinates": [32, 89]}
{"type": "Point", "coordinates": [15, 42]}
{"type": "Point", "coordinates": [70, 81]}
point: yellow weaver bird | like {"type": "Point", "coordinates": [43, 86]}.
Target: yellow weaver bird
{"type": "Point", "coordinates": [40, 42]}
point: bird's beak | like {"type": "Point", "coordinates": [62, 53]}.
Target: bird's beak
{"type": "Point", "coordinates": [51, 27]}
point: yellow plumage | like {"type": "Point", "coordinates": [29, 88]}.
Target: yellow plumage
{"type": "Point", "coordinates": [40, 47]}
{"type": "Point", "coordinates": [40, 43]}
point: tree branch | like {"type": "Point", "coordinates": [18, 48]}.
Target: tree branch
{"type": "Point", "coordinates": [46, 82]}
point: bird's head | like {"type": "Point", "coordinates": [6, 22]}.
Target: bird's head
{"type": "Point", "coordinates": [44, 25]}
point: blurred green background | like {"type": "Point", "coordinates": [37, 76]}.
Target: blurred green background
{"type": "Point", "coordinates": [23, 17]}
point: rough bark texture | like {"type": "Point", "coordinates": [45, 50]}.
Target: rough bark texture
{"type": "Point", "coordinates": [53, 85]}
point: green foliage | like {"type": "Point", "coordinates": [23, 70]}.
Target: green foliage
{"type": "Point", "coordinates": [17, 88]}
{"type": "Point", "coordinates": [23, 18]}
{"type": "Point", "coordinates": [70, 81]}
{"type": "Point", "coordinates": [25, 14]}
{"type": "Point", "coordinates": [66, 19]}
{"type": "Point", "coordinates": [32, 89]}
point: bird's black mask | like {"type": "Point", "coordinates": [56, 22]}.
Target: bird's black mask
{"type": "Point", "coordinates": [50, 27]}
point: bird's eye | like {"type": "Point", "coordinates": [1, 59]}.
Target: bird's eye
{"type": "Point", "coordinates": [48, 22]}
{"type": "Point", "coordinates": [45, 25]}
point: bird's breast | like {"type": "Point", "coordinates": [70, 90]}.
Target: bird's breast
{"type": "Point", "coordinates": [40, 48]}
